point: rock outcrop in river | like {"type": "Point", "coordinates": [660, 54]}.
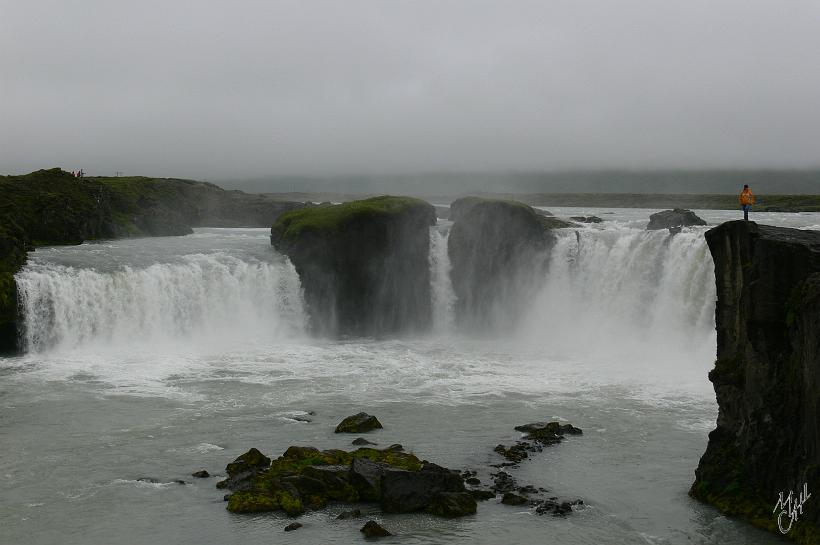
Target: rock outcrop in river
{"type": "Point", "coordinates": [50, 207]}
{"type": "Point", "coordinates": [364, 265]}
{"type": "Point", "coordinates": [497, 249]}
{"type": "Point", "coordinates": [307, 478]}
{"type": "Point", "coordinates": [766, 377]}
{"type": "Point", "coordinates": [672, 219]}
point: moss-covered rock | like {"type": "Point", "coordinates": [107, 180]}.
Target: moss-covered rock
{"type": "Point", "coordinates": [499, 252]}
{"type": "Point", "coordinates": [767, 375]}
{"type": "Point", "coordinates": [363, 264]}
{"type": "Point", "coordinates": [307, 478]}
{"type": "Point", "coordinates": [359, 423]}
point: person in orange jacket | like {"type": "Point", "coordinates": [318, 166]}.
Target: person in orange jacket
{"type": "Point", "coordinates": [747, 199]}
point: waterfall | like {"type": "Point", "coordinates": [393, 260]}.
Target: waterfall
{"type": "Point", "coordinates": [199, 298]}
{"type": "Point", "coordinates": [626, 293]}
{"type": "Point", "coordinates": [441, 288]}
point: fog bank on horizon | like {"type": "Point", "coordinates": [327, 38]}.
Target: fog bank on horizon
{"type": "Point", "coordinates": [243, 90]}
{"type": "Point", "coordinates": [455, 184]}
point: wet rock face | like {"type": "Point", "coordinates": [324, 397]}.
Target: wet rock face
{"type": "Point", "coordinates": [499, 252]}
{"type": "Point", "coordinates": [670, 219]}
{"type": "Point", "coordinates": [363, 264]}
{"type": "Point", "coordinates": [766, 376]}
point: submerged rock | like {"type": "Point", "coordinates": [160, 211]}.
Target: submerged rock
{"type": "Point", "coordinates": [359, 423]}
{"type": "Point", "coordinates": [766, 377]}
{"type": "Point", "coordinates": [363, 265]}
{"type": "Point", "coordinates": [373, 529]}
{"type": "Point", "coordinates": [201, 474]}
{"type": "Point", "coordinates": [669, 219]}
{"type": "Point", "coordinates": [351, 514]}
{"type": "Point", "coordinates": [514, 454]}
{"type": "Point", "coordinates": [293, 526]}
{"type": "Point", "coordinates": [587, 219]}
{"type": "Point", "coordinates": [553, 506]}
{"type": "Point", "coordinates": [511, 498]}
{"type": "Point", "coordinates": [361, 441]}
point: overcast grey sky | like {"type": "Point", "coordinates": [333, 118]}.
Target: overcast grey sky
{"type": "Point", "coordinates": [211, 89]}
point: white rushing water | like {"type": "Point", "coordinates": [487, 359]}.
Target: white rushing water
{"type": "Point", "coordinates": [615, 293]}
{"type": "Point", "coordinates": [441, 287]}
{"type": "Point", "coordinates": [201, 298]}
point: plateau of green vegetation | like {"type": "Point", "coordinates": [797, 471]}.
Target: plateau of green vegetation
{"type": "Point", "coordinates": [335, 217]}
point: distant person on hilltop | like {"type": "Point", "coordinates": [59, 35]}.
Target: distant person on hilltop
{"type": "Point", "coordinates": [747, 199]}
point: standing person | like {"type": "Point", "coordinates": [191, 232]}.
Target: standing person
{"type": "Point", "coordinates": [747, 199]}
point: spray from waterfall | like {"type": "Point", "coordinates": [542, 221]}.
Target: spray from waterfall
{"type": "Point", "coordinates": [616, 294]}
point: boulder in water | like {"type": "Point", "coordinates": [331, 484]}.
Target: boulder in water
{"type": "Point", "coordinates": [669, 219]}
{"type": "Point", "coordinates": [359, 423]}
{"type": "Point", "coordinates": [372, 529]}
{"type": "Point", "coordinates": [201, 474]}
{"type": "Point", "coordinates": [452, 504]}
{"type": "Point", "coordinates": [364, 265]}
{"type": "Point", "coordinates": [361, 442]}
{"type": "Point", "coordinates": [293, 526]}
{"type": "Point", "coordinates": [408, 491]}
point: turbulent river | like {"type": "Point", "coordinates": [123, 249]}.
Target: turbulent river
{"type": "Point", "coordinates": [153, 358]}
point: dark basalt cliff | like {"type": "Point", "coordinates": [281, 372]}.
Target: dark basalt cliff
{"type": "Point", "coordinates": [364, 265]}
{"type": "Point", "coordinates": [766, 376]}
{"type": "Point", "coordinates": [50, 207]}
{"type": "Point", "coordinates": [498, 249]}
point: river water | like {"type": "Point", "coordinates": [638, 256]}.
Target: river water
{"type": "Point", "coordinates": [148, 359]}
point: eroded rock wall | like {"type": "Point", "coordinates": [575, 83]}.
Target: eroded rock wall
{"type": "Point", "coordinates": [766, 375]}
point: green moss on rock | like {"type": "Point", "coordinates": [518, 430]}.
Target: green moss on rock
{"type": "Point", "coordinates": [335, 218]}
{"type": "Point", "coordinates": [303, 477]}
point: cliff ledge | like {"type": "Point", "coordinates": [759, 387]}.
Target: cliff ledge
{"type": "Point", "coordinates": [765, 377]}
